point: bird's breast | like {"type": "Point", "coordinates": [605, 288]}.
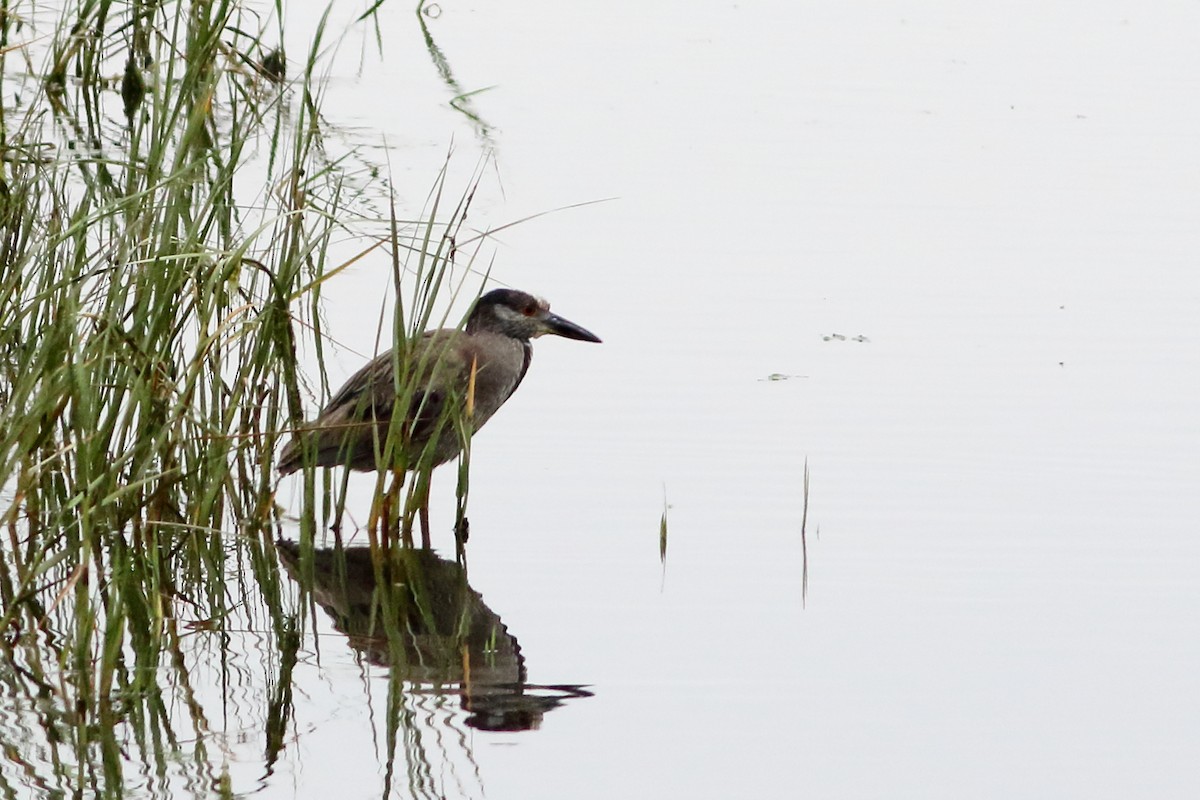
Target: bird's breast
{"type": "Point", "coordinates": [500, 364]}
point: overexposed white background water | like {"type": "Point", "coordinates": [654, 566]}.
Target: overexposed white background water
{"type": "Point", "coordinates": [969, 236]}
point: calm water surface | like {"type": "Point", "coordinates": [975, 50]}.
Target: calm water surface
{"type": "Point", "coordinates": [962, 241]}
{"type": "Point", "coordinates": [969, 240]}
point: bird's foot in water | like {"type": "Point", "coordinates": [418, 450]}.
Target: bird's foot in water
{"type": "Point", "coordinates": [462, 529]}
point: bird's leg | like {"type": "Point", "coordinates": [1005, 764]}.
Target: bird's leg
{"type": "Point", "coordinates": [378, 516]}
{"type": "Point", "coordinates": [424, 514]}
{"type": "Point", "coordinates": [403, 519]}
{"type": "Point", "coordinates": [423, 510]}
{"type": "Point", "coordinates": [461, 529]}
{"type": "Point", "coordinates": [340, 503]}
{"type": "Point", "coordinates": [418, 503]}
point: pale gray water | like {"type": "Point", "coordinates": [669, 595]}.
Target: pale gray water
{"type": "Point", "coordinates": [1002, 598]}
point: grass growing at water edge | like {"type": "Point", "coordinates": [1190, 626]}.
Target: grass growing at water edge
{"type": "Point", "coordinates": [166, 212]}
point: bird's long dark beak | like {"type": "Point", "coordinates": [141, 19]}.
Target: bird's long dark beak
{"type": "Point", "coordinates": [564, 327]}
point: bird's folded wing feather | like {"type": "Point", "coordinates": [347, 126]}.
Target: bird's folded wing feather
{"type": "Point", "coordinates": [440, 373]}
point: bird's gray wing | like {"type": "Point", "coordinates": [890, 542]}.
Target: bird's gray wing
{"type": "Point", "coordinates": [368, 392]}
{"type": "Point", "coordinates": [435, 381]}
{"type": "Point", "coordinates": [443, 374]}
{"type": "Point", "coordinates": [340, 434]}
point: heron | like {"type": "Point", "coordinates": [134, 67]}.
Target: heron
{"type": "Point", "coordinates": [453, 374]}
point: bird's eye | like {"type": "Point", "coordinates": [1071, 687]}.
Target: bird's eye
{"type": "Point", "coordinates": [529, 310]}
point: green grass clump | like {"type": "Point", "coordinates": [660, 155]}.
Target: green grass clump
{"type": "Point", "coordinates": [167, 209]}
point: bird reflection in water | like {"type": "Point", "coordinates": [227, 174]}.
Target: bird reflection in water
{"type": "Point", "coordinates": [413, 612]}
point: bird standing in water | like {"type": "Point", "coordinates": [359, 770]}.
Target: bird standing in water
{"type": "Point", "coordinates": [465, 374]}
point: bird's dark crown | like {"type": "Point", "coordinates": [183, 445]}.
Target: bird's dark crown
{"type": "Point", "coordinates": [508, 311]}
{"type": "Point", "coordinates": [522, 316]}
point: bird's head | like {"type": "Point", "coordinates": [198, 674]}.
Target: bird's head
{"type": "Point", "coordinates": [521, 316]}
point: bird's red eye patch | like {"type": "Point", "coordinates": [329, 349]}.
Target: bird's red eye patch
{"type": "Point", "coordinates": [530, 309]}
